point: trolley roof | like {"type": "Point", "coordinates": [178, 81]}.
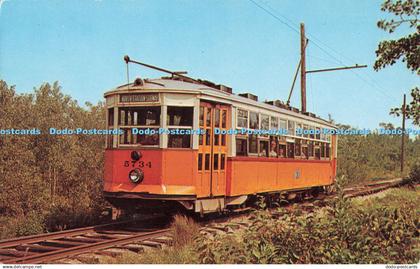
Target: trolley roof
{"type": "Point", "coordinates": [206, 89]}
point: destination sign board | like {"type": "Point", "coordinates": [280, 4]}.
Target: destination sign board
{"type": "Point", "coordinates": [139, 97]}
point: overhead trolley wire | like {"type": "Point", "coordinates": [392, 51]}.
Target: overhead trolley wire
{"type": "Point", "coordinates": [318, 43]}
{"type": "Point", "coordinates": [276, 17]}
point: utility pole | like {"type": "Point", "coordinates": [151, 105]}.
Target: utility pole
{"type": "Point", "coordinates": [303, 67]}
{"type": "Point", "coordinates": [403, 136]}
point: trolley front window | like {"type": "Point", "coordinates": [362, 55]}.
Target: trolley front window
{"type": "Point", "coordinates": [139, 125]}
{"type": "Point", "coordinates": [139, 116]}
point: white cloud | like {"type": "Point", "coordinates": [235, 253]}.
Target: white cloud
{"type": "Point", "coordinates": [2, 2]}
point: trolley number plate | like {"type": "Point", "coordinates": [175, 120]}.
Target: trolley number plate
{"type": "Point", "coordinates": [139, 164]}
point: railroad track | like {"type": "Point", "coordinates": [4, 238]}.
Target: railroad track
{"type": "Point", "coordinates": [129, 235]}
{"type": "Point", "coordinates": [49, 247]}
{"type": "Point", "coordinates": [373, 187]}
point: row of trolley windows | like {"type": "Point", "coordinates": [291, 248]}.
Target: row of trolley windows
{"type": "Point", "coordinates": [219, 161]}
{"type": "Point", "coordinates": [277, 147]}
{"type": "Point", "coordinates": [149, 117]}
{"type": "Point", "coordinates": [174, 140]}
{"type": "Point", "coordinates": [253, 120]}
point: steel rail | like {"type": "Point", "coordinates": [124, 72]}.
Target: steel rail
{"type": "Point", "coordinates": [374, 188]}
{"type": "Point", "coordinates": [55, 235]}
{"type": "Point", "coordinates": [56, 253]}
{"type": "Point", "coordinates": [66, 252]}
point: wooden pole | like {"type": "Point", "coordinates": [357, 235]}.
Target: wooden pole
{"type": "Point", "coordinates": [403, 135]}
{"type": "Point", "coordinates": [293, 84]}
{"type": "Point", "coordinates": [302, 67]}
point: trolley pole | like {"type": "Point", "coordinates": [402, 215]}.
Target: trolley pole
{"type": "Point", "coordinates": [303, 67]}
{"type": "Point", "coordinates": [403, 136]}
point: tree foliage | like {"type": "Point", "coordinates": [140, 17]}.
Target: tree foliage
{"type": "Point", "coordinates": [374, 155]}
{"type": "Point", "coordinates": [412, 109]}
{"type": "Point", "coordinates": [406, 48]}
{"type": "Point", "coordinates": [48, 182]}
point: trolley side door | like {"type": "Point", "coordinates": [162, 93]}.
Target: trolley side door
{"type": "Point", "coordinates": [212, 149]}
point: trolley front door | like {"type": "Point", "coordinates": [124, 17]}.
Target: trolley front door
{"type": "Point", "coordinates": [212, 150]}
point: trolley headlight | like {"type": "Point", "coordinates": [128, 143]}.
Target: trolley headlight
{"type": "Point", "coordinates": [136, 176]}
{"type": "Point", "coordinates": [135, 155]}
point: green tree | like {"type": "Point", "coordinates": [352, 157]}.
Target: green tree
{"type": "Point", "coordinates": [405, 48]}
{"type": "Point", "coordinates": [48, 182]}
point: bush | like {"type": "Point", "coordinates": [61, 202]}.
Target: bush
{"type": "Point", "coordinates": [415, 172]}
{"type": "Point", "coordinates": [29, 225]}
{"type": "Point", "coordinates": [381, 230]}
{"type": "Point", "coordinates": [63, 216]}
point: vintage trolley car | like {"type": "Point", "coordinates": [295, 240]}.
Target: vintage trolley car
{"type": "Point", "coordinates": [192, 143]}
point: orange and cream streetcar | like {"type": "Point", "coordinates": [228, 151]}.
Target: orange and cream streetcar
{"type": "Point", "coordinates": [192, 144]}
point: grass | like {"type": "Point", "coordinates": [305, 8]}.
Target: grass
{"type": "Point", "coordinates": [381, 228]}
{"type": "Point", "coordinates": [185, 231]}
{"type": "Point", "coordinates": [182, 255]}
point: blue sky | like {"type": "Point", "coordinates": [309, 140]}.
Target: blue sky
{"type": "Point", "coordinates": [81, 44]}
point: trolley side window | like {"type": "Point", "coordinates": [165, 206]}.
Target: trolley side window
{"type": "Point", "coordinates": [290, 150]}
{"type": "Point", "coordinates": [282, 151]}
{"type": "Point", "coordinates": [180, 122]}
{"type": "Point", "coordinates": [274, 123]}
{"type": "Point", "coordinates": [242, 118]}
{"type": "Point", "coordinates": [179, 140]}
{"type": "Point", "coordinates": [241, 147]}
{"type": "Point", "coordinates": [299, 129]}
{"type": "Point", "coordinates": [318, 133]}
{"type": "Point", "coordinates": [111, 117]}
{"type": "Point", "coordinates": [283, 125]}
{"type": "Point", "coordinates": [322, 150]}
{"type": "Point", "coordinates": [327, 150]}
{"type": "Point", "coordinates": [312, 131]}
{"type": "Point", "coordinates": [297, 148]}
{"type": "Point", "coordinates": [317, 150]}
{"type": "Point", "coordinates": [311, 149]}
{"type": "Point", "coordinates": [110, 137]}
{"type": "Point", "coordinates": [263, 148]}
{"type": "Point", "coordinates": [273, 147]}
{"type": "Point", "coordinates": [180, 116]}
{"type": "Point", "coordinates": [253, 120]}
{"type": "Point", "coordinates": [291, 127]}
{"type": "Point", "coordinates": [265, 122]}
{"type": "Point", "coordinates": [253, 144]}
